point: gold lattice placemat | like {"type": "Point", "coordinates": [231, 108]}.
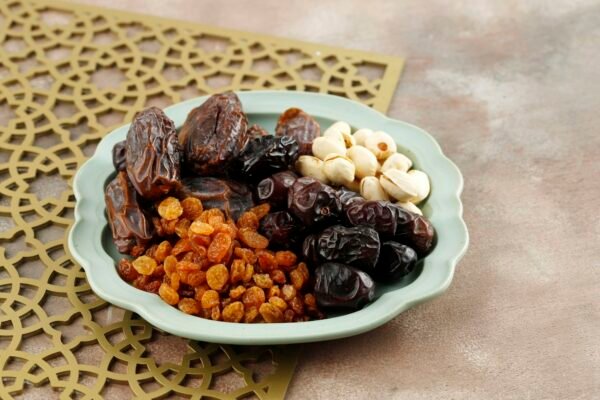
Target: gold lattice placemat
{"type": "Point", "coordinates": [68, 74]}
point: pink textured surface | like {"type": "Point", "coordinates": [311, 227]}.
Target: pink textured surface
{"type": "Point", "coordinates": [511, 90]}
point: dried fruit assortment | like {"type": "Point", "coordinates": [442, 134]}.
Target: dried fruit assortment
{"type": "Point", "coordinates": [229, 223]}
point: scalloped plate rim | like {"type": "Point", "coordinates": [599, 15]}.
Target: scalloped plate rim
{"type": "Point", "coordinates": [435, 278]}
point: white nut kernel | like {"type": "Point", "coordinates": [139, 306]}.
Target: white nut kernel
{"type": "Point", "coordinates": [353, 185]}
{"type": "Point", "coordinates": [360, 136]}
{"type": "Point", "coordinates": [364, 161]}
{"type": "Point", "coordinates": [398, 184]}
{"type": "Point", "coordinates": [322, 147]}
{"type": "Point", "coordinates": [371, 189]}
{"type": "Point", "coordinates": [397, 161]}
{"type": "Point", "coordinates": [422, 185]}
{"type": "Point", "coordinates": [381, 144]}
{"type": "Point", "coordinates": [340, 131]}
{"type": "Point", "coordinates": [311, 166]}
{"type": "Point", "coordinates": [408, 206]}
{"type": "Point", "coordinates": [338, 169]}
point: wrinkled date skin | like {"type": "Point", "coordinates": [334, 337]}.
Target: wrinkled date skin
{"type": "Point", "coordinates": [256, 131]}
{"type": "Point", "coordinates": [118, 156]}
{"type": "Point", "coordinates": [153, 154]}
{"type": "Point", "coordinates": [265, 155]}
{"type": "Point", "coordinates": [281, 228]}
{"type": "Point", "coordinates": [299, 125]}
{"type": "Point", "coordinates": [231, 197]}
{"type": "Point", "coordinates": [379, 215]}
{"type": "Point", "coordinates": [395, 261]}
{"type": "Point", "coordinates": [274, 189]}
{"type": "Point", "coordinates": [313, 202]}
{"type": "Point", "coordinates": [357, 246]}
{"type": "Point", "coordinates": [415, 231]}
{"type": "Point", "coordinates": [214, 134]}
{"type": "Point", "coordinates": [309, 250]}
{"type": "Point", "coordinates": [349, 198]}
{"type": "Point", "coordinates": [343, 287]}
{"type": "Point", "coordinates": [129, 224]}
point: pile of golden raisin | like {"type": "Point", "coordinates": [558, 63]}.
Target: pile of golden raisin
{"type": "Point", "coordinates": [210, 266]}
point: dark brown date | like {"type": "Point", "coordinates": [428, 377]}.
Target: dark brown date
{"type": "Point", "coordinates": [395, 261]}
{"type": "Point", "coordinates": [313, 202]}
{"type": "Point", "coordinates": [214, 134]}
{"type": "Point", "coordinates": [152, 154]}
{"type": "Point", "coordinates": [264, 156]}
{"type": "Point", "coordinates": [118, 156]}
{"type": "Point", "coordinates": [299, 125]}
{"type": "Point", "coordinates": [256, 131]}
{"type": "Point", "coordinates": [349, 198]}
{"type": "Point", "coordinates": [341, 286]}
{"type": "Point", "coordinates": [379, 215]}
{"type": "Point", "coordinates": [129, 224]}
{"type": "Point", "coordinates": [357, 246]}
{"type": "Point", "coordinates": [230, 196]}
{"type": "Point", "coordinates": [274, 189]}
{"type": "Point", "coordinates": [281, 228]}
{"type": "Point", "coordinates": [415, 231]}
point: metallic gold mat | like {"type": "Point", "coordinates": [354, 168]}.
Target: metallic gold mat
{"type": "Point", "coordinates": [68, 74]}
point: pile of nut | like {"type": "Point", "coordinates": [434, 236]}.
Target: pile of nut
{"type": "Point", "coordinates": [221, 270]}
{"type": "Point", "coordinates": [366, 162]}
{"type": "Point", "coordinates": [228, 222]}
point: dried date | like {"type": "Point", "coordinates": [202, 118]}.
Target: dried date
{"type": "Point", "coordinates": [299, 125]}
{"type": "Point", "coordinates": [256, 131]}
{"type": "Point", "coordinates": [152, 153]}
{"type": "Point", "coordinates": [379, 215]}
{"type": "Point", "coordinates": [415, 231]}
{"type": "Point", "coordinates": [313, 202]}
{"type": "Point", "coordinates": [343, 287]}
{"type": "Point", "coordinates": [349, 198]}
{"type": "Point", "coordinates": [356, 246]}
{"type": "Point", "coordinates": [274, 189]}
{"type": "Point", "coordinates": [281, 228]}
{"type": "Point", "coordinates": [265, 155]}
{"type": "Point", "coordinates": [214, 134]}
{"type": "Point", "coordinates": [395, 261]}
{"type": "Point", "coordinates": [118, 156]}
{"type": "Point", "coordinates": [129, 224]}
{"type": "Point", "coordinates": [230, 196]}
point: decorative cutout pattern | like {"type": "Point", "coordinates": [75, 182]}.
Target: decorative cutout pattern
{"type": "Point", "coordinates": [68, 74]}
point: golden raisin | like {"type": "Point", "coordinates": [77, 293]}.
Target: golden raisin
{"type": "Point", "coordinates": [237, 292]}
{"type": "Point", "coordinates": [274, 291]}
{"type": "Point", "coordinates": [218, 248]}
{"type": "Point", "coordinates": [206, 214]}
{"type": "Point", "coordinates": [225, 302]}
{"type": "Point", "coordinates": [189, 306]}
{"type": "Point", "coordinates": [168, 294]}
{"type": "Point", "coordinates": [227, 229]}
{"type": "Point", "coordinates": [261, 210]}
{"type": "Point", "coordinates": [278, 302]}
{"type": "Point", "coordinates": [168, 227]}
{"type": "Point", "coordinates": [250, 314]}
{"type": "Point", "coordinates": [210, 298]}
{"type": "Point", "coordinates": [158, 272]}
{"type": "Point", "coordinates": [270, 313]}
{"type": "Point", "coordinates": [299, 276]}
{"type": "Point", "coordinates": [278, 276]}
{"type": "Point", "coordinates": [137, 251]}
{"type": "Point", "coordinates": [234, 312]}
{"type": "Point", "coordinates": [238, 267]}
{"type": "Point", "coordinates": [195, 278]}
{"type": "Point", "coordinates": [182, 246]}
{"type": "Point", "coordinates": [215, 220]}
{"type": "Point", "coordinates": [288, 315]}
{"type": "Point", "coordinates": [144, 265]}
{"type": "Point", "coordinates": [217, 276]}
{"type": "Point", "coordinates": [248, 273]}
{"type": "Point", "coordinates": [181, 228]}
{"type": "Point", "coordinates": [248, 220]}
{"type": "Point", "coordinates": [150, 251]}
{"type": "Point", "coordinates": [263, 281]}
{"type": "Point", "coordinates": [202, 240]}
{"type": "Point", "coordinates": [266, 260]}
{"type": "Point", "coordinates": [286, 258]}
{"type": "Point", "coordinates": [162, 251]}
{"type": "Point", "coordinates": [187, 266]}
{"type": "Point", "coordinates": [252, 238]}
{"type": "Point", "coordinates": [199, 291]}
{"type": "Point", "coordinates": [170, 264]}
{"type": "Point", "coordinates": [126, 270]}
{"type": "Point", "coordinates": [245, 254]}
{"type": "Point", "coordinates": [170, 208]}
{"type": "Point", "coordinates": [215, 313]}
{"type": "Point", "coordinates": [310, 301]}
{"type": "Point", "coordinates": [192, 208]}
{"type": "Point", "coordinates": [253, 297]}
{"type": "Point", "coordinates": [297, 306]}
{"type": "Point", "coordinates": [288, 292]}
{"type": "Point", "coordinates": [201, 228]}
{"type": "Point", "coordinates": [174, 281]}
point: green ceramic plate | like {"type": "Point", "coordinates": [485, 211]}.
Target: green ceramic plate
{"type": "Point", "coordinates": [91, 244]}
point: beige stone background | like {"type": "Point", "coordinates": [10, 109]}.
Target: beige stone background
{"type": "Point", "coordinates": [511, 90]}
